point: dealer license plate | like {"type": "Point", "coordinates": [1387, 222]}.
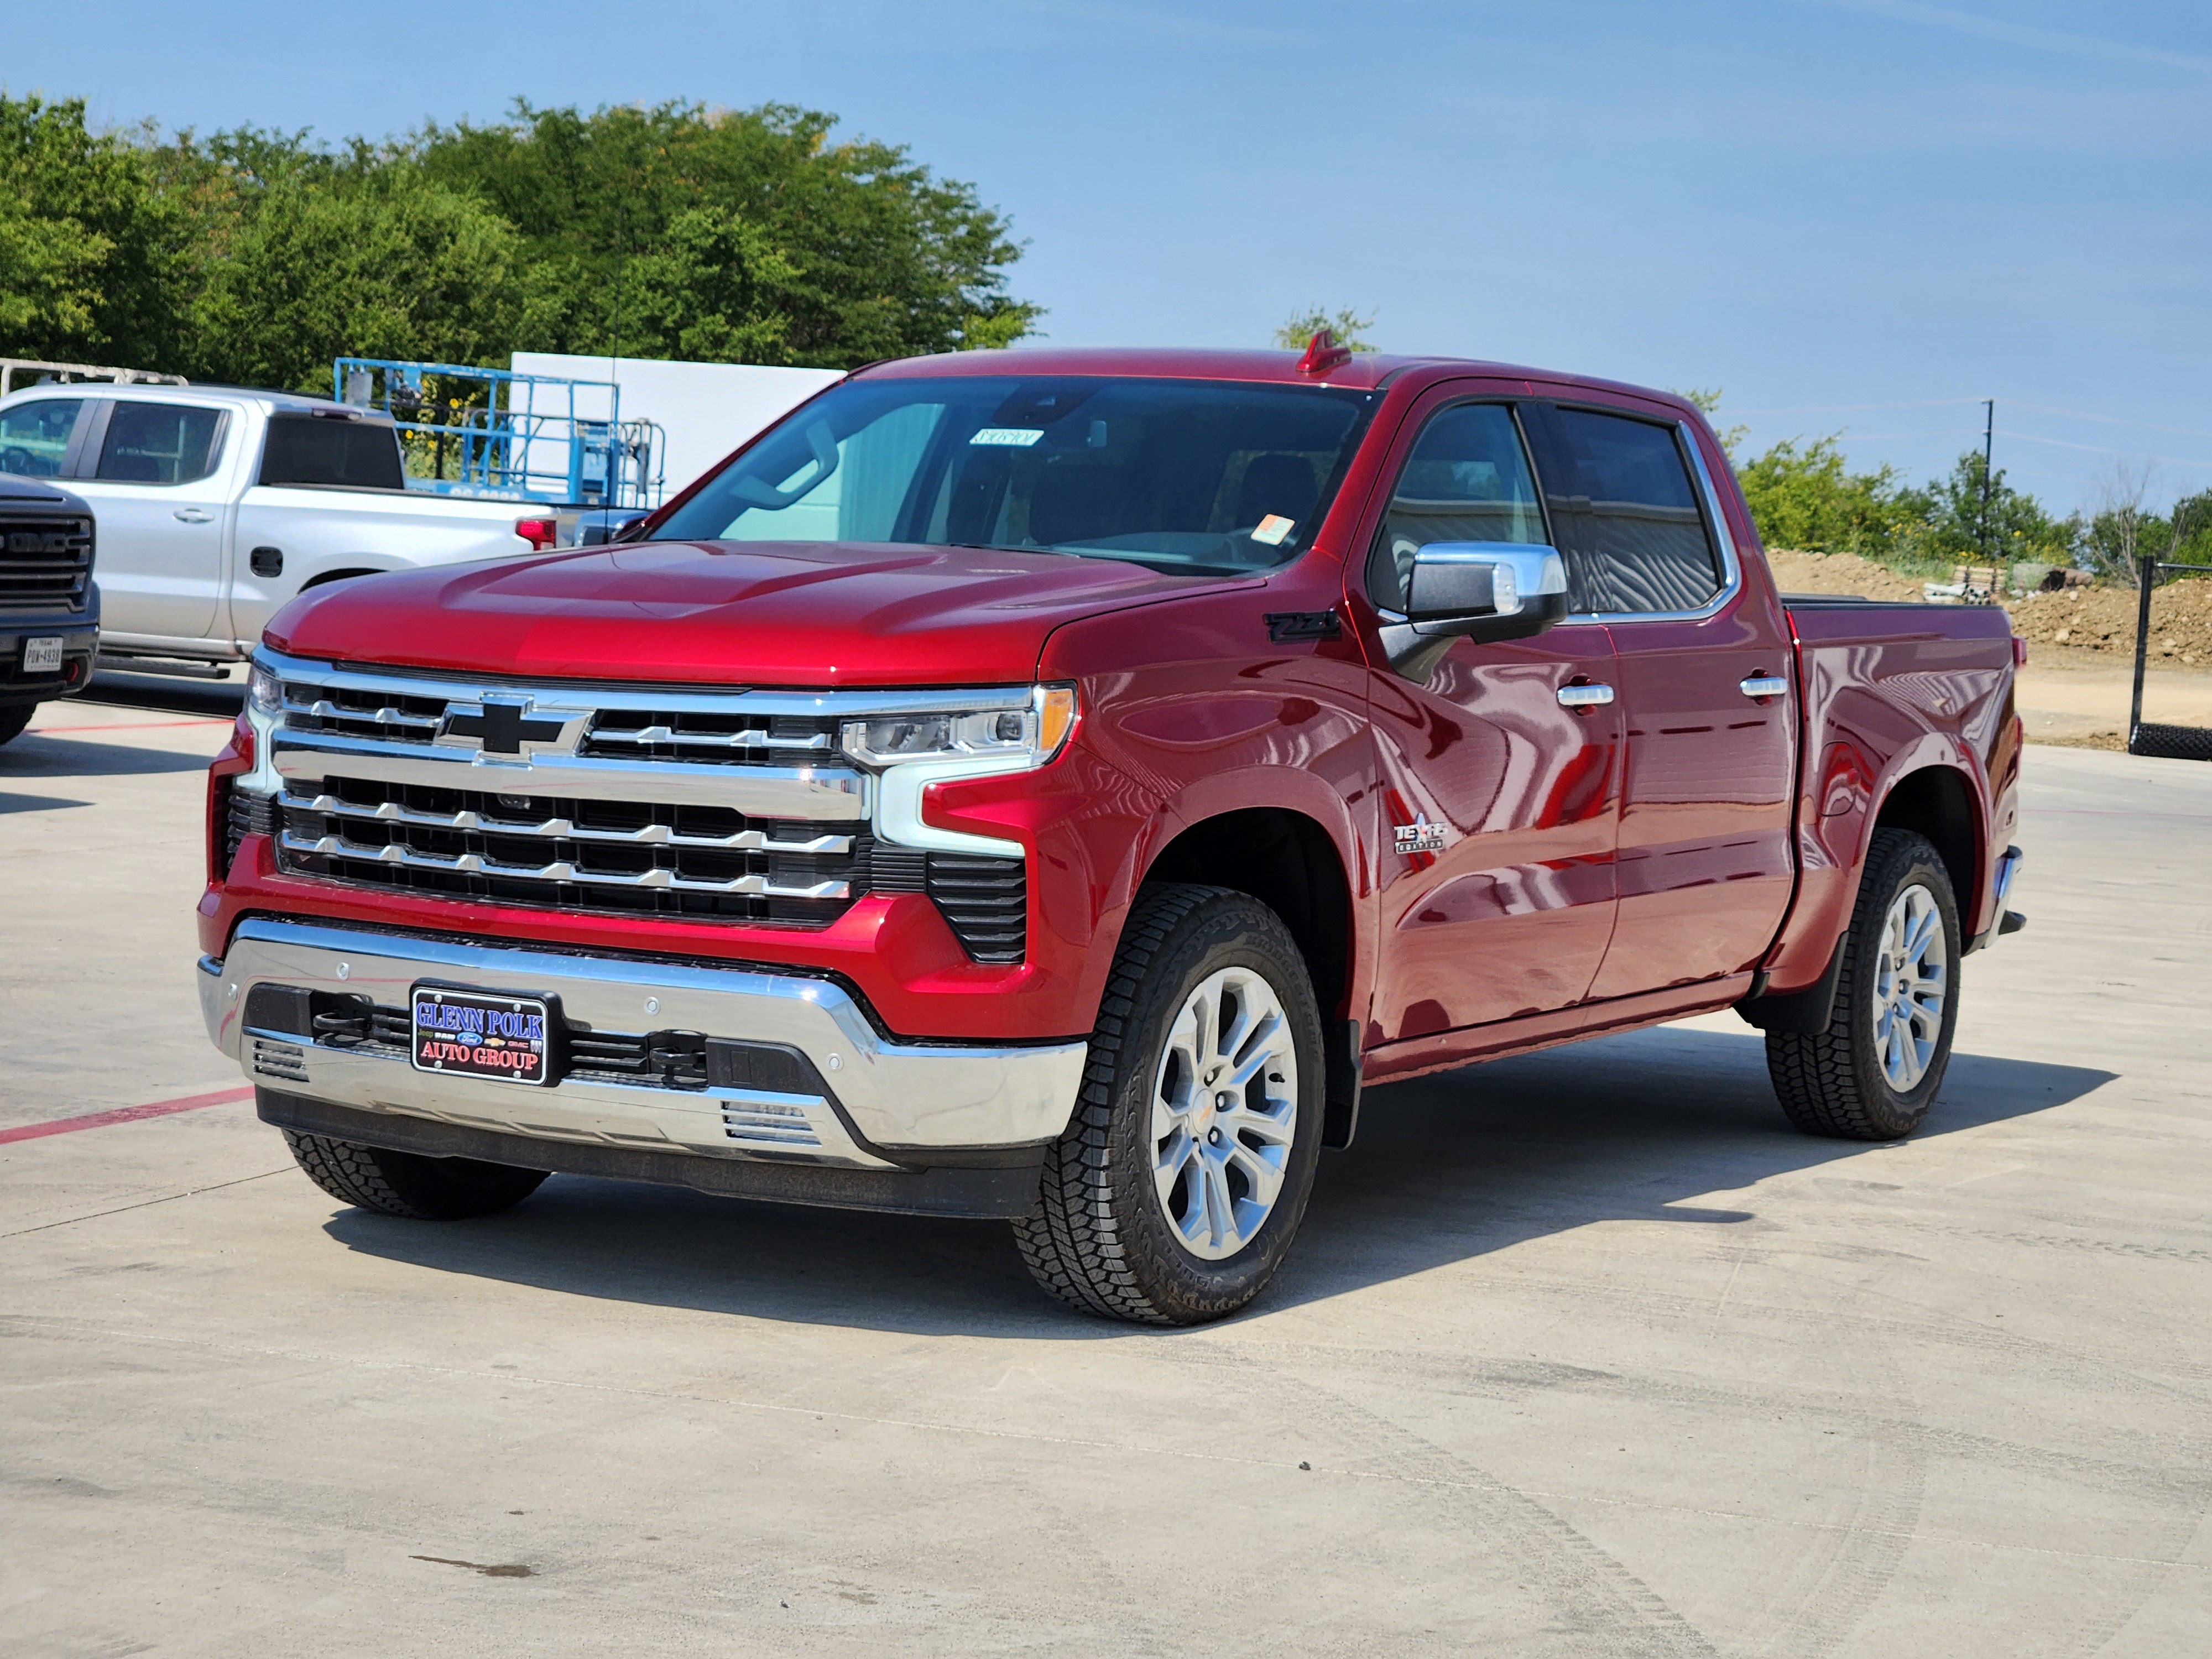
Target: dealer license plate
{"type": "Point", "coordinates": [43, 656]}
{"type": "Point", "coordinates": [470, 1034]}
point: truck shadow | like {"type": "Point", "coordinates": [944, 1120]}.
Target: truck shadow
{"type": "Point", "coordinates": [1642, 1127]}
{"type": "Point", "coordinates": [37, 755]}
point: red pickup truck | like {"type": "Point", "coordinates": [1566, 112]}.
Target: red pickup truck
{"type": "Point", "coordinates": [1049, 785]}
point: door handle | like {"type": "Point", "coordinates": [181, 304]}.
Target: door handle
{"type": "Point", "coordinates": [1763, 686]}
{"type": "Point", "coordinates": [1584, 696]}
{"type": "Point", "coordinates": [195, 515]}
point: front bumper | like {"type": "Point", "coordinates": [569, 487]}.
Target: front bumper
{"type": "Point", "coordinates": [874, 1103]}
{"type": "Point", "coordinates": [80, 644]}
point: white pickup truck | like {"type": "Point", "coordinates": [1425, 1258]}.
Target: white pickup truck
{"type": "Point", "coordinates": [216, 505]}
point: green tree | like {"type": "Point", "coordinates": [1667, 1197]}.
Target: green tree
{"type": "Point", "coordinates": [800, 251]}
{"type": "Point", "coordinates": [89, 251]}
{"type": "Point", "coordinates": [1945, 520]}
{"type": "Point", "coordinates": [1349, 327]}
{"type": "Point", "coordinates": [378, 260]}
{"type": "Point", "coordinates": [1804, 498]}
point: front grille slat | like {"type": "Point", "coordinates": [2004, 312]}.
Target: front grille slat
{"type": "Point", "coordinates": [45, 564]}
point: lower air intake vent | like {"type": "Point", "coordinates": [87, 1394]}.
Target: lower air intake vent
{"type": "Point", "coordinates": [772, 1123]}
{"type": "Point", "coordinates": [986, 901]}
{"type": "Point", "coordinates": [245, 814]}
{"type": "Point", "coordinates": [280, 1060]}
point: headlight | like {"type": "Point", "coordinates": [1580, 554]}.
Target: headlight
{"type": "Point", "coordinates": [1029, 735]}
{"type": "Point", "coordinates": [265, 690]}
{"type": "Point", "coordinates": [910, 752]}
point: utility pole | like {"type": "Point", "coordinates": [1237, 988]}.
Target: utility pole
{"type": "Point", "coordinates": [1989, 440]}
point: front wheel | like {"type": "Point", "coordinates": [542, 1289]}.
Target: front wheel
{"type": "Point", "coordinates": [1874, 1073]}
{"type": "Point", "coordinates": [1173, 1196]}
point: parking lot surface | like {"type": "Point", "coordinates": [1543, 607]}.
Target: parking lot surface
{"type": "Point", "coordinates": [1577, 1354]}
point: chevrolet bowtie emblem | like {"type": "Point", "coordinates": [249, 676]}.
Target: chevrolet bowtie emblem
{"type": "Point", "coordinates": [1418, 836]}
{"type": "Point", "coordinates": [503, 727]}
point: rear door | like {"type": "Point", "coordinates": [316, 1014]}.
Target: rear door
{"type": "Point", "coordinates": [1704, 861]}
{"type": "Point", "coordinates": [155, 473]}
{"type": "Point", "coordinates": [1499, 804]}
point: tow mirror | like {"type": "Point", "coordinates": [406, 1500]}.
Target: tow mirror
{"type": "Point", "coordinates": [1481, 591]}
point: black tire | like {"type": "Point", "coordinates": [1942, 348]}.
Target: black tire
{"type": "Point", "coordinates": [13, 720]}
{"type": "Point", "coordinates": [407, 1183]}
{"type": "Point", "coordinates": [1832, 1082]}
{"type": "Point", "coordinates": [1100, 1238]}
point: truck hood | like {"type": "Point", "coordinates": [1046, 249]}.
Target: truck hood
{"type": "Point", "coordinates": [723, 613]}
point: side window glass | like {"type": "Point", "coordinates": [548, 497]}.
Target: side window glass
{"type": "Point", "coordinates": [160, 443]}
{"type": "Point", "coordinates": [311, 449]}
{"type": "Point", "coordinates": [34, 436]}
{"type": "Point", "coordinates": [1467, 480]}
{"type": "Point", "coordinates": [1626, 515]}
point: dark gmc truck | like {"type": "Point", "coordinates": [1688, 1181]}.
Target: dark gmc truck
{"type": "Point", "coordinates": [1050, 785]}
{"type": "Point", "coordinates": [49, 606]}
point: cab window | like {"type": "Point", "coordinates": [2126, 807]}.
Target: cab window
{"type": "Point", "coordinates": [1626, 514]}
{"type": "Point", "coordinates": [160, 443]}
{"type": "Point", "coordinates": [1467, 480]}
{"type": "Point", "coordinates": [34, 436]}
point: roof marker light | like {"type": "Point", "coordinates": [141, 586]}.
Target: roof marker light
{"type": "Point", "coordinates": [1323, 353]}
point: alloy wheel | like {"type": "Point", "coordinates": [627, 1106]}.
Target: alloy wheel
{"type": "Point", "coordinates": [1225, 1112]}
{"type": "Point", "coordinates": [1910, 979]}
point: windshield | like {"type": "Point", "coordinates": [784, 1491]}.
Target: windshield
{"type": "Point", "coordinates": [1204, 475]}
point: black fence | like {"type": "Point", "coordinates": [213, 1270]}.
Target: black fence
{"type": "Point", "coordinates": [2165, 742]}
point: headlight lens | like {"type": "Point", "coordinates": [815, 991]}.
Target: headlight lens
{"type": "Point", "coordinates": [265, 690]}
{"type": "Point", "coordinates": [1033, 733]}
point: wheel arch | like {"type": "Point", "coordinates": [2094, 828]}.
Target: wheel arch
{"type": "Point", "coordinates": [1287, 861]}
{"type": "Point", "coordinates": [324, 577]}
{"type": "Point", "coordinates": [1938, 802]}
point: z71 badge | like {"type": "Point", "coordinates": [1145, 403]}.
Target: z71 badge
{"type": "Point", "coordinates": [1419, 837]}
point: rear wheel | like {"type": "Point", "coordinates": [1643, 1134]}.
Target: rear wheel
{"type": "Point", "coordinates": [407, 1183]}
{"type": "Point", "coordinates": [1874, 1073]}
{"type": "Point", "coordinates": [13, 720]}
{"type": "Point", "coordinates": [1174, 1195]}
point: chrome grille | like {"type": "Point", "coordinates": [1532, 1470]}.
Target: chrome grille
{"type": "Point", "coordinates": [363, 712]}
{"type": "Point", "coordinates": [726, 805]}
{"type": "Point", "coordinates": [709, 738]}
{"type": "Point", "coordinates": [45, 564]}
{"type": "Point", "coordinates": [570, 854]}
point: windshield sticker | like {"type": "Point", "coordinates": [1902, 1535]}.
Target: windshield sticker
{"type": "Point", "coordinates": [1273, 529]}
{"type": "Point", "coordinates": [1013, 437]}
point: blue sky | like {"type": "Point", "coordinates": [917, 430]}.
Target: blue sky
{"type": "Point", "coordinates": [1848, 215]}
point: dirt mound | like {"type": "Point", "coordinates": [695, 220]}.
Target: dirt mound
{"type": "Point", "coordinates": [1839, 573]}
{"type": "Point", "coordinates": [2099, 622]}
{"type": "Point", "coordinates": [2103, 620]}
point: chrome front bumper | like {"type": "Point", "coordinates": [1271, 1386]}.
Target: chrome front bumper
{"type": "Point", "coordinates": [885, 1104]}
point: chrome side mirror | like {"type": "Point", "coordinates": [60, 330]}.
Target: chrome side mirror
{"type": "Point", "coordinates": [1481, 591]}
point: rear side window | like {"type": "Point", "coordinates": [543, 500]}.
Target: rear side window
{"type": "Point", "coordinates": [1467, 480]}
{"type": "Point", "coordinates": [34, 437]}
{"type": "Point", "coordinates": [310, 449]}
{"type": "Point", "coordinates": [1625, 513]}
{"type": "Point", "coordinates": [160, 443]}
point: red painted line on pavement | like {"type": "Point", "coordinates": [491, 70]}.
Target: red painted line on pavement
{"type": "Point", "coordinates": [61, 1126]}
{"type": "Point", "coordinates": [137, 726]}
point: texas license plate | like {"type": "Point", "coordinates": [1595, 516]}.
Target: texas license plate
{"type": "Point", "coordinates": [44, 655]}
{"type": "Point", "coordinates": [472, 1034]}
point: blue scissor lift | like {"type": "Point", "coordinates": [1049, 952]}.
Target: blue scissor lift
{"type": "Point", "coordinates": [514, 437]}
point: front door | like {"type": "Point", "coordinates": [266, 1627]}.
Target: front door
{"type": "Point", "coordinates": [1705, 863]}
{"type": "Point", "coordinates": [1499, 804]}
{"type": "Point", "coordinates": [160, 497]}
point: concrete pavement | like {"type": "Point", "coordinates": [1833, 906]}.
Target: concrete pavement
{"type": "Point", "coordinates": [1584, 1353]}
